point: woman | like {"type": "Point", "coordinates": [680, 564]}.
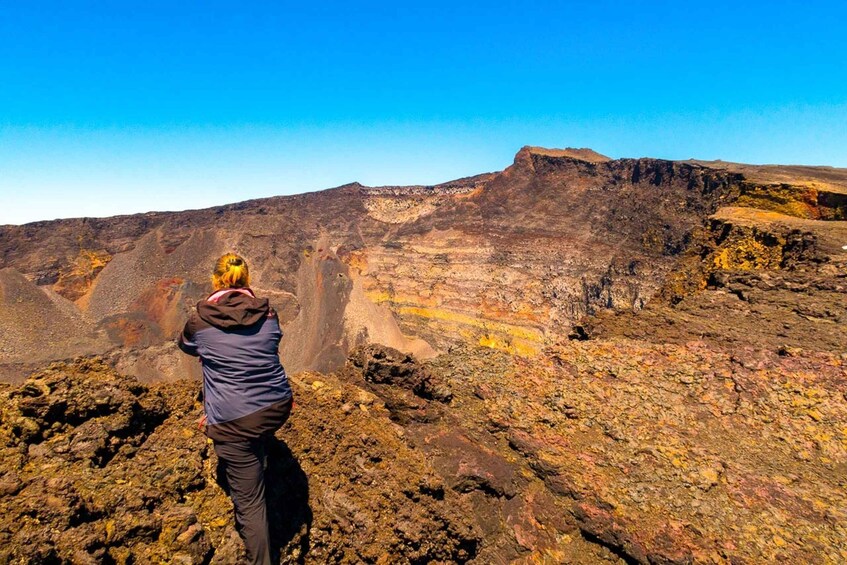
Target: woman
{"type": "Point", "coordinates": [246, 394]}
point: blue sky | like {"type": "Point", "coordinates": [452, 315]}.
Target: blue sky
{"type": "Point", "coordinates": [121, 107]}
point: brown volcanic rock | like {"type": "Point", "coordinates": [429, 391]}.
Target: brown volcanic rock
{"type": "Point", "coordinates": [38, 325]}
{"type": "Point", "coordinates": [673, 453]}
{"type": "Point", "coordinates": [509, 260]}
{"type": "Point", "coordinates": [592, 453]}
{"type": "Point", "coordinates": [525, 460]}
{"type": "Point", "coordinates": [518, 516]}
{"type": "Point", "coordinates": [76, 279]}
{"type": "Point", "coordinates": [582, 154]}
{"type": "Point", "coordinates": [98, 468]}
{"type": "Point", "coordinates": [384, 365]}
{"type": "Point", "coordinates": [549, 240]}
{"type": "Point", "coordinates": [752, 277]}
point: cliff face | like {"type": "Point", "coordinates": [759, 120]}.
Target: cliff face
{"type": "Point", "coordinates": [509, 260]}
{"type": "Point", "coordinates": [551, 239]}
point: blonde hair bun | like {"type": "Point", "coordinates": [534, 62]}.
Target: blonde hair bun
{"type": "Point", "coordinates": [230, 272]}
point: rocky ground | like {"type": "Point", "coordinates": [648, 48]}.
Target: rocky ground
{"type": "Point", "coordinates": [683, 453]}
{"type": "Point", "coordinates": [596, 452]}
{"type": "Point", "coordinates": [100, 469]}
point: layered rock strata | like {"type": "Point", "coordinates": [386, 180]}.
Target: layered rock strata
{"type": "Point", "coordinates": [508, 260]}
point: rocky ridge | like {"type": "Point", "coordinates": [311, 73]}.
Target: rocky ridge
{"type": "Point", "coordinates": [509, 260]}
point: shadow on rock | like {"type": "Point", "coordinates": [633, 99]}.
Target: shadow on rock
{"type": "Point", "coordinates": [289, 513]}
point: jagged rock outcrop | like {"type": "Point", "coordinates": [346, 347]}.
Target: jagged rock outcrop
{"type": "Point", "coordinates": [753, 278]}
{"type": "Point", "coordinates": [100, 468]}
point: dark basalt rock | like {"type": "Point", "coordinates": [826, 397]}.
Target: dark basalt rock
{"type": "Point", "coordinates": [386, 365]}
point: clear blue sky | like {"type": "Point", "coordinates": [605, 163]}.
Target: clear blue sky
{"type": "Point", "coordinates": [121, 107]}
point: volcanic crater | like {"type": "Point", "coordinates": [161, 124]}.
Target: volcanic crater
{"type": "Point", "coordinates": [575, 360]}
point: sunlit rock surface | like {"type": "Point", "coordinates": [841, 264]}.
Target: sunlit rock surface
{"type": "Point", "coordinates": [575, 360]}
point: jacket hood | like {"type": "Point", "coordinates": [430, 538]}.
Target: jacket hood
{"type": "Point", "coordinates": [233, 309]}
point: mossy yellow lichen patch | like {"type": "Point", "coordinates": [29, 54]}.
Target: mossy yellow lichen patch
{"type": "Point", "coordinates": [519, 347]}
{"type": "Point", "coordinates": [676, 455]}
{"type": "Point", "coordinates": [529, 334]}
{"type": "Point", "coordinates": [378, 296]}
{"type": "Point", "coordinates": [748, 254]}
{"type": "Point", "coordinates": [800, 200]}
{"type": "Point", "coordinates": [381, 296]}
{"type": "Point", "coordinates": [358, 261]}
{"type": "Point", "coordinates": [95, 260]}
{"type": "Point", "coordinates": [76, 279]}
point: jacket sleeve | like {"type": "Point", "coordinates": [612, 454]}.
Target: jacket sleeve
{"type": "Point", "coordinates": [186, 339]}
